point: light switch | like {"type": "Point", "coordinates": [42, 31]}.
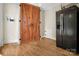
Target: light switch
{"type": "Point", "coordinates": [10, 19]}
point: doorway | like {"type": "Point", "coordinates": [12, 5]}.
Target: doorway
{"type": "Point", "coordinates": [30, 23]}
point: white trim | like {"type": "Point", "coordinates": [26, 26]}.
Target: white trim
{"type": "Point", "coordinates": [18, 42]}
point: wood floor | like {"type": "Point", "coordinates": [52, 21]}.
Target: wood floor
{"type": "Point", "coordinates": [44, 47]}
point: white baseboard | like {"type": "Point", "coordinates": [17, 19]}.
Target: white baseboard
{"type": "Point", "coordinates": [53, 38]}
{"type": "Point", "coordinates": [7, 42]}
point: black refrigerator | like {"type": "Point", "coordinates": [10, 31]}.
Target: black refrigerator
{"type": "Point", "coordinates": [67, 28]}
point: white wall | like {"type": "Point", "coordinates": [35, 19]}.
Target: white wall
{"type": "Point", "coordinates": [1, 24]}
{"type": "Point", "coordinates": [50, 22]}
{"type": "Point", "coordinates": [42, 24]}
{"type": "Point", "coordinates": [11, 29]}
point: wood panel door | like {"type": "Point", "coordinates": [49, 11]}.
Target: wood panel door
{"type": "Point", "coordinates": [36, 23]}
{"type": "Point", "coordinates": [29, 26]}
{"type": "Point", "coordinates": [25, 15]}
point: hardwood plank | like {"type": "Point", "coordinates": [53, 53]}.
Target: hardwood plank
{"type": "Point", "coordinates": [44, 47]}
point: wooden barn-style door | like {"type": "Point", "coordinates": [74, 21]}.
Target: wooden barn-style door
{"type": "Point", "coordinates": [30, 23]}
